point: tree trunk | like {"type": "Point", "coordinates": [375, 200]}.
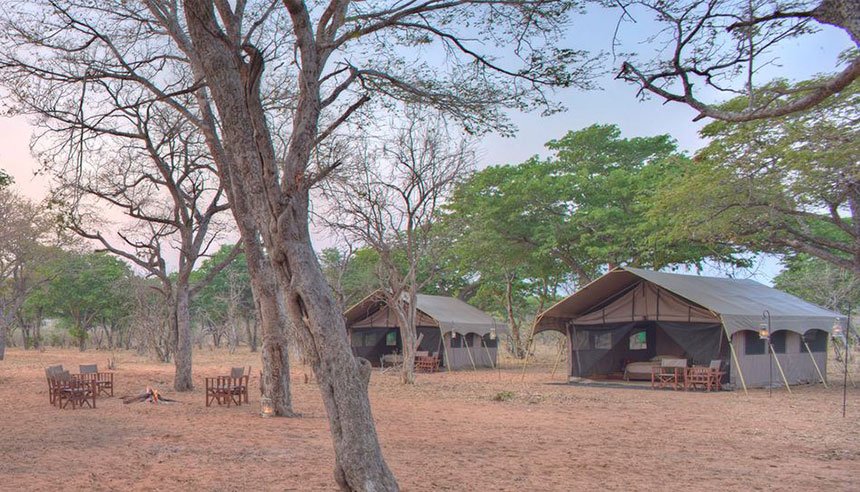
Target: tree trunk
{"type": "Point", "coordinates": [281, 214]}
{"type": "Point", "coordinates": [342, 379]}
{"type": "Point", "coordinates": [275, 383]}
{"type": "Point", "coordinates": [406, 323]}
{"type": "Point", "coordinates": [251, 333]}
{"type": "Point", "coordinates": [37, 331]}
{"type": "Point", "coordinates": [182, 354]}
{"type": "Point", "coordinates": [82, 338]}
{"type": "Point", "coordinates": [512, 321]}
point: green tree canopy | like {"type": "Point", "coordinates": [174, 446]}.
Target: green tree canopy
{"type": "Point", "coordinates": [784, 185]}
{"type": "Point", "coordinates": [86, 287]}
{"type": "Point", "coordinates": [229, 289]}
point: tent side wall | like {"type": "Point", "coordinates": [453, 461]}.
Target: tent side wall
{"type": "Point", "coordinates": [458, 353]}
{"type": "Point", "coordinates": [755, 362]}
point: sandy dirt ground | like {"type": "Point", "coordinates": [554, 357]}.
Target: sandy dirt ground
{"type": "Point", "coordinates": [447, 432]}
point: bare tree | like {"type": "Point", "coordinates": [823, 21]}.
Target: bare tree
{"type": "Point", "coordinates": [321, 77]}
{"type": "Point", "coordinates": [722, 45]}
{"type": "Point", "coordinates": [389, 201]}
{"type": "Point", "coordinates": [158, 175]}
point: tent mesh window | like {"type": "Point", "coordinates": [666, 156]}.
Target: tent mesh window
{"type": "Point", "coordinates": [753, 344]}
{"type": "Point", "coordinates": [816, 339]}
{"type": "Point", "coordinates": [391, 339]}
{"type": "Point", "coordinates": [456, 341]}
{"type": "Point", "coordinates": [777, 340]}
{"type": "Point", "coordinates": [601, 341]}
{"type": "Point", "coordinates": [638, 341]}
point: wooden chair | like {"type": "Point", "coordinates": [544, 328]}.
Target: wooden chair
{"type": "Point", "coordinates": [79, 392]}
{"type": "Point", "coordinates": [697, 376]}
{"type": "Point", "coordinates": [50, 372]}
{"type": "Point", "coordinates": [59, 382]}
{"type": "Point", "coordinates": [103, 380]}
{"type": "Point", "coordinates": [223, 390]}
{"type": "Point", "coordinates": [242, 387]}
{"type": "Point", "coordinates": [716, 382]}
{"type": "Point", "coordinates": [670, 371]}
{"type": "Point", "coordinates": [427, 363]}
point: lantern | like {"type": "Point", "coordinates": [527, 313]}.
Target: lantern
{"type": "Point", "coordinates": [267, 408]}
{"type": "Point", "coordinates": [763, 332]}
{"type": "Point", "coordinates": [837, 329]}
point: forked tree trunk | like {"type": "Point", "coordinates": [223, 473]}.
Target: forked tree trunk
{"type": "Point", "coordinates": [342, 379]}
{"type": "Point", "coordinates": [281, 212]}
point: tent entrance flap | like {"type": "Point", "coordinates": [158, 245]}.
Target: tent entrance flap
{"type": "Point", "coordinates": [607, 349]}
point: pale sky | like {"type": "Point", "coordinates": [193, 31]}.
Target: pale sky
{"type": "Point", "coordinates": [615, 103]}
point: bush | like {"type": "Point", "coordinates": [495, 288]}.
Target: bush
{"type": "Point", "coordinates": [503, 396]}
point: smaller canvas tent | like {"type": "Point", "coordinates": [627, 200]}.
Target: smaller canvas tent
{"type": "Point", "coordinates": [631, 315]}
{"type": "Point", "coordinates": [461, 334]}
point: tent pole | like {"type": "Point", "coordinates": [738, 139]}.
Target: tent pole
{"type": "Point", "coordinates": [469, 350]}
{"type": "Point", "coordinates": [489, 356]}
{"type": "Point", "coordinates": [558, 357]}
{"type": "Point", "coordinates": [528, 351]}
{"type": "Point", "coordinates": [817, 369]}
{"type": "Point", "coordinates": [735, 357]}
{"type": "Point", "coordinates": [779, 366]}
{"type": "Point", "coordinates": [445, 348]}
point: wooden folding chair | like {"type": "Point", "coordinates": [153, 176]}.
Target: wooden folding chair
{"type": "Point", "coordinates": [238, 373]}
{"type": "Point", "coordinates": [50, 372]}
{"type": "Point", "coordinates": [223, 390]}
{"type": "Point", "coordinates": [103, 380]}
{"type": "Point", "coordinates": [716, 381]}
{"type": "Point", "coordinates": [80, 393]}
{"type": "Point", "coordinates": [670, 371]}
{"type": "Point", "coordinates": [60, 382]}
{"type": "Point", "coordinates": [697, 377]}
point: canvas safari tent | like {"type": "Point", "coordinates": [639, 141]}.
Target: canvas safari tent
{"type": "Point", "coordinates": [630, 318]}
{"type": "Point", "coordinates": [459, 333]}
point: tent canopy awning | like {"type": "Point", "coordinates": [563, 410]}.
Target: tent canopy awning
{"type": "Point", "coordinates": [738, 303]}
{"type": "Point", "coordinates": [448, 313]}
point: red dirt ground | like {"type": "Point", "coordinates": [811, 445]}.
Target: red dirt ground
{"type": "Point", "coordinates": [445, 433]}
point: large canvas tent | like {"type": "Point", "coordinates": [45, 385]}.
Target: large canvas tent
{"type": "Point", "coordinates": [632, 315]}
{"type": "Point", "coordinates": [459, 333]}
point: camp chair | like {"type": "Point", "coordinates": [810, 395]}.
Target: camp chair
{"type": "Point", "coordinates": [716, 382]}
{"type": "Point", "coordinates": [697, 376]}
{"type": "Point", "coordinates": [103, 380]}
{"type": "Point", "coordinates": [79, 393]}
{"type": "Point", "coordinates": [223, 390]}
{"type": "Point", "coordinates": [241, 386]}
{"type": "Point", "coordinates": [67, 390]}
{"type": "Point", "coordinates": [668, 372]}
{"type": "Point", "coordinates": [49, 375]}
{"type": "Point", "coordinates": [426, 362]}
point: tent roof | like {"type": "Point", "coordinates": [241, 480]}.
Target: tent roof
{"type": "Point", "coordinates": [452, 314]}
{"type": "Point", "coordinates": [740, 303]}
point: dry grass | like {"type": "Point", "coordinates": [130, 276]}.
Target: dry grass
{"type": "Point", "coordinates": [447, 432]}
